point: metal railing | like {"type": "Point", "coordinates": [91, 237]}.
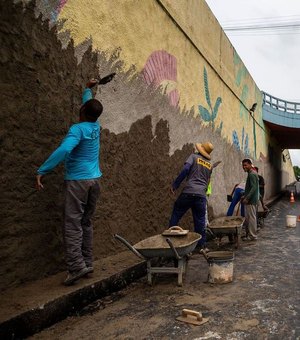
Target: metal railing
{"type": "Point", "coordinates": [280, 104]}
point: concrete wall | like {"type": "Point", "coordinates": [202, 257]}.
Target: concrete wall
{"type": "Point", "coordinates": [179, 81]}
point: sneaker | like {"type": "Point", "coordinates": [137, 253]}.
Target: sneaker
{"type": "Point", "coordinates": [249, 239]}
{"type": "Point", "coordinates": [200, 249]}
{"type": "Point", "coordinates": [72, 277]}
{"type": "Point", "coordinates": [90, 269]}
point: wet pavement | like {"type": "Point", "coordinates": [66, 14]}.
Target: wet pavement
{"type": "Point", "coordinates": [262, 302]}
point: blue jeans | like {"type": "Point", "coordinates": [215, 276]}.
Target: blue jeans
{"type": "Point", "coordinates": [198, 205]}
{"type": "Point", "coordinates": [238, 193]}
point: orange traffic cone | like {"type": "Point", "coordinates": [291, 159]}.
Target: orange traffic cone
{"type": "Point", "coordinates": [298, 219]}
{"type": "Point", "coordinates": [292, 199]}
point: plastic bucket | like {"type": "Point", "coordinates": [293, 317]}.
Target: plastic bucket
{"type": "Point", "coordinates": [291, 221]}
{"type": "Point", "coordinates": [220, 268]}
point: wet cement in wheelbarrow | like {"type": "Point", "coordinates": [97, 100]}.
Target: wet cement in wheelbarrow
{"type": "Point", "coordinates": [226, 221]}
{"type": "Point", "coordinates": [159, 241]}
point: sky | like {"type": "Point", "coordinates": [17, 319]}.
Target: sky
{"type": "Point", "coordinates": [273, 60]}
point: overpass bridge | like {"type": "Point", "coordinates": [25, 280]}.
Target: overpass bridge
{"type": "Point", "coordinates": [283, 119]}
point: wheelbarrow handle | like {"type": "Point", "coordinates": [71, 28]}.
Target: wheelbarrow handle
{"type": "Point", "coordinates": [176, 227]}
{"type": "Point", "coordinates": [129, 246]}
{"type": "Point", "coordinates": [197, 315]}
{"type": "Point", "coordinates": [173, 248]}
{"type": "Point", "coordinates": [203, 252]}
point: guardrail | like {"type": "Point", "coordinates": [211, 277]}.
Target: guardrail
{"type": "Point", "coordinates": [280, 104]}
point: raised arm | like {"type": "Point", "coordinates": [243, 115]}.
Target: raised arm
{"type": "Point", "coordinates": [87, 93]}
{"type": "Point", "coordinates": [184, 172]}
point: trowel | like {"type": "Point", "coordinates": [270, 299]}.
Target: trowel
{"type": "Point", "coordinates": [193, 317]}
{"type": "Point", "coordinates": [106, 79]}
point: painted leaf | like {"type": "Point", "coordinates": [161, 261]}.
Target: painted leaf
{"type": "Point", "coordinates": [219, 129]}
{"type": "Point", "coordinates": [243, 137]}
{"type": "Point", "coordinates": [238, 78]}
{"type": "Point", "coordinates": [204, 113]}
{"type": "Point", "coordinates": [235, 140]}
{"type": "Point", "coordinates": [254, 137]}
{"type": "Point", "coordinates": [246, 147]}
{"type": "Point", "coordinates": [216, 108]}
{"type": "Point", "coordinates": [207, 96]}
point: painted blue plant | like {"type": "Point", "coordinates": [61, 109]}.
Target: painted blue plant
{"type": "Point", "coordinates": [219, 129]}
{"type": "Point", "coordinates": [235, 140]}
{"type": "Point", "coordinates": [244, 146]}
{"type": "Point", "coordinates": [209, 114]}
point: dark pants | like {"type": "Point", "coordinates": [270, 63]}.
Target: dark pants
{"type": "Point", "coordinates": [80, 204]}
{"type": "Point", "coordinates": [198, 205]}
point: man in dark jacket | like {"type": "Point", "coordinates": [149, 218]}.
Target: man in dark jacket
{"type": "Point", "coordinates": [250, 200]}
{"type": "Point", "coordinates": [197, 169]}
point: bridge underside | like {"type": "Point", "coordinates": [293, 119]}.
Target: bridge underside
{"type": "Point", "coordinates": [288, 138]}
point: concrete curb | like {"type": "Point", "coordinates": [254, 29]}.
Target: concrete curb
{"type": "Point", "coordinates": [271, 201]}
{"type": "Point", "coordinates": [35, 319]}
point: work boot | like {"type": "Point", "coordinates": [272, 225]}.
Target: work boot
{"type": "Point", "coordinates": [74, 276]}
{"type": "Point", "coordinates": [90, 269]}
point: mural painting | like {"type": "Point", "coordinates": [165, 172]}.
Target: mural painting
{"type": "Point", "coordinates": [57, 9]}
{"type": "Point", "coordinates": [209, 113]}
{"type": "Point", "coordinates": [240, 80]}
{"type": "Point", "coordinates": [161, 70]}
{"type": "Point", "coordinates": [244, 145]}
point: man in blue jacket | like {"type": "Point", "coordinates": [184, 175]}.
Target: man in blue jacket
{"type": "Point", "coordinates": [197, 170]}
{"type": "Point", "coordinates": [80, 152]}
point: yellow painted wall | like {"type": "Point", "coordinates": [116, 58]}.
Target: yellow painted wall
{"type": "Point", "coordinates": [138, 28]}
{"type": "Point", "coordinates": [188, 31]}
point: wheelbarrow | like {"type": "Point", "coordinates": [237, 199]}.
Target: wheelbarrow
{"type": "Point", "coordinates": [227, 225]}
{"type": "Point", "coordinates": [261, 215]}
{"type": "Point", "coordinates": [159, 246]}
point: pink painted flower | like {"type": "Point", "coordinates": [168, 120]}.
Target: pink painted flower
{"type": "Point", "coordinates": [161, 70]}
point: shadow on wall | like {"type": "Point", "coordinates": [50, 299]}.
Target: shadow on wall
{"type": "Point", "coordinates": [40, 94]}
{"type": "Point", "coordinates": [136, 200]}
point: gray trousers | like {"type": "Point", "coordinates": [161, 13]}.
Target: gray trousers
{"type": "Point", "coordinates": [80, 204]}
{"type": "Point", "coordinates": [250, 220]}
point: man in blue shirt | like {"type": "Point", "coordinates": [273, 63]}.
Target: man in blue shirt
{"type": "Point", "coordinates": [80, 152]}
{"type": "Point", "coordinates": [197, 169]}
